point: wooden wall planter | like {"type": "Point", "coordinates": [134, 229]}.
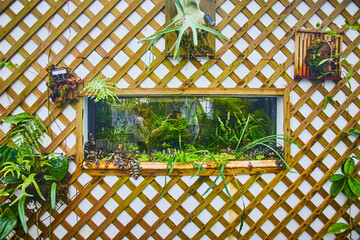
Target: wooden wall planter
{"type": "Point", "coordinates": [63, 84]}
{"type": "Point", "coordinates": [302, 42]}
{"type": "Point", "coordinates": [207, 6]}
{"type": "Point", "coordinates": [159, 169]}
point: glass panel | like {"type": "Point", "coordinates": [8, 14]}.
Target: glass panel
{"type": "Point", "coordinates": [184, 123]}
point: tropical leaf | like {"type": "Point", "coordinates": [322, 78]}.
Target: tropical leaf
{"type": "Point", "coordinates": [347, 190]}
{"type": "Point", "coordinates": [7, 154]}
{"type": "Point", "coordinates": [327, 100]}
{"type": "Point", "coordinates": [354, 185]}
{"type": "Point", "coordinates": [59, 167]}
{"type": "Point", "coordinates": [22, 216]}
{"type": "Point", "coordinates": [53, 195]}
{"type": "Point", "coordinates": [8, 64]}
{"type": "Point", "coordinates": [337, 187]}
{"type": "Point", "coordinates": [336, 177]}
{"type": "Point", "coordinates": [353, 131]}
{"type": "Point", "coordinates": [8, 222]}
{"type": "Point", "coordinates": [349, 166]}
{"type": "Point", "coordinates": [338, 228]}
{"type": "Point", "coordinates": [24, 128]}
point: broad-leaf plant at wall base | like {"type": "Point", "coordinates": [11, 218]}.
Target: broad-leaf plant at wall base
{"type": "Point", "coordinates": [28, 177]}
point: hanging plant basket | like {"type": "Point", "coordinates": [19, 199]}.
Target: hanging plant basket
{"type": "Point", "coordinates": [63, 84]}
{"type": "Point", "coordinates": [312, 48]}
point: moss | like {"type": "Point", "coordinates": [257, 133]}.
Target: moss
{"type": "Point", "coordinates": [202, 49]}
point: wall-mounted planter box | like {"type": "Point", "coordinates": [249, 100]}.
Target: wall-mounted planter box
{"type": "Point", "coordinates": [304, 41]}
{"type": "Point", "coordinates": [208, 7]}
{"type": "Point", "coordinates": [63, 84]}
{"type": "Point", "coordinates": [157, 168]}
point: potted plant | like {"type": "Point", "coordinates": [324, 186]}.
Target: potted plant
{"type": "Point", "coordinates": [26, 176]}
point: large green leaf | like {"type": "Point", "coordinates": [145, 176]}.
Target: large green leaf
{"type": "Point", "coordinates": [22, 216]}
{"type": "Point", "coordinates": [10, 179]}
{"type": "Point", "coordinates": [336, 177]}
{"type": "Point", "coordinates": [338, 228]}
{"type": "Point", "coordinates": [8, 222]}
{"type": "Point", "coordinates": [354, 185]}
{"type": "Point", "coordinates": [59, 167]}
{"type": "Point", "coordinates": [53, 195]}
{"type": "Point", "coordinates": [349, 192]}
{"type": "Point", "coordinates": [337, 187]}
{"type": "Point", "coordinates": [349, 166]}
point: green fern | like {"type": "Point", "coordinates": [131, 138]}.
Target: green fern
{"type": "Point", "coordinates": [24, 128]}
{"type": "Point", "coordinates": [101, 89]}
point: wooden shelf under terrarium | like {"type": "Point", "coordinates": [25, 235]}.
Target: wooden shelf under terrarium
{"type": "Point", "coordinates": [303, 40]}
{"type": "Point", "coordinates": [187, 169]}
{"type": "Point", "coordinates": [208, 7]}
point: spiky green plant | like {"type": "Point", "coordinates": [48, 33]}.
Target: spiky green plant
{"type": "Point", "coordinates": [188, 17]}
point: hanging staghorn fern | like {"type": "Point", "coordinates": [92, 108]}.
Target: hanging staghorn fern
{"type": "Point", "coordinates": [101, 89]}
{"type": "Point", "coordinates": [189, 19]}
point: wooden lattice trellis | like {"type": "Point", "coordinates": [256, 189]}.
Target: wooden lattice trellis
{"type": "Point", "coordinates": [96, 37]}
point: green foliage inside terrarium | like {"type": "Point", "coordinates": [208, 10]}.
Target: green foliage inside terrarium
{"type": "Point", "coordinates": [163, 124]}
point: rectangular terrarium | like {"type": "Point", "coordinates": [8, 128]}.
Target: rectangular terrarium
{"type": "Point", "coordinates": [311, 48]}
{"type": "Point", "coordinates": [190, 131]}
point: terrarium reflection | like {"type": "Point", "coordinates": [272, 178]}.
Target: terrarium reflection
{"type": "Point", "coordinates": [155, 124]}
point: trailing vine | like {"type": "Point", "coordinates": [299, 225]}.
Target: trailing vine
{"type": "Point", "coordinates": [348, 184]}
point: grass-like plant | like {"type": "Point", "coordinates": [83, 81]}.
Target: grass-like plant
{"type": "Point", "coordinates": [189, 19]}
